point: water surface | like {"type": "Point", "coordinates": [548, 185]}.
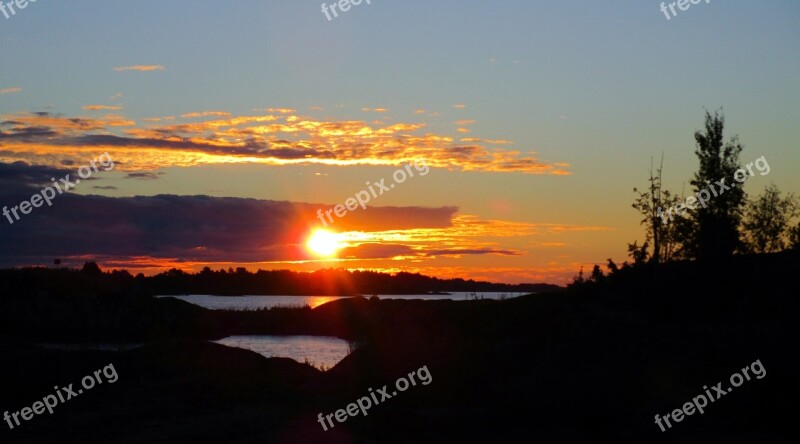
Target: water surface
{"type": "Point", "coordinates": [256, 302]}
{"type": "Point", "coordinates": [322, 352]}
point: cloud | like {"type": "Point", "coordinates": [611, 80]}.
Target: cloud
{"type": "Point", "coordinates": [274, 139]}
{"type": "Point", "coordinates": [145, 175]}
{"type": "Point", "coordinates": [169, 227]}
{"type": "Point", "coordinates": [496, 142]}
{"type": "Point", "coordinates": [10, 90]}
{"type": "Point", "coordinates": [461, 252]}
{"type": "Point", "coordinates": [277, 110]}
{"type": "Point", "coordinates": [375, 110]}
{"type": "Point", "coordinates": [103, 107]}
{"type": "Point", "coordinates": [459, 106]}
{"type": "Point", "coordinates": [21, 177]}
{"type": "Point", "coordinates": [206, 114]}
{"type": "Point", "coordinates": [140, 68]}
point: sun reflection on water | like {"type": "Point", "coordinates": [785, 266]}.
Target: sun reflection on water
{"type": "Point", "coordinates": [316, 301]}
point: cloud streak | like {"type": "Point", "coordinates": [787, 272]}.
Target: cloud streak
{"type": "Point", "coordinates": [279, 138]}
{"type": "Point", "coordinates": [140, 68]}
{"type": "Point", "coordinates": [103, 107]}
{"type": "Point", "coordinates": [206, 114]}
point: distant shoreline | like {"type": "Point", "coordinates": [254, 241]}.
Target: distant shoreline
{"type": "Point", "coordinates": [363, 295]}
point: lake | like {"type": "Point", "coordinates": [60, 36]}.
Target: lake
{"type": "Point", "coordinates": [322, 352]}
{"type": "Point", "coordinates": [258, 302]}
{"type": "Point", "coordinates": [319, 351]}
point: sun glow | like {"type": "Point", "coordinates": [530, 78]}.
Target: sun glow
{"type": "Point", "coordinates": [323, 243]}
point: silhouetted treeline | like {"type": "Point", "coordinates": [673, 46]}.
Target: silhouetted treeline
{"type": "Point", "coordinates": [322, 282]}
{"type": "Point", "coordinates": [91, 280]}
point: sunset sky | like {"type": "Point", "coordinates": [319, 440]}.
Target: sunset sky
{"type": "Point", "coordinates": [230, 124]}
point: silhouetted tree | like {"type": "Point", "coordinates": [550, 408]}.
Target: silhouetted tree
{"type": "Point", "coordinates": [794, 237]}
{"type": "Point", "coordinates": [652, 204]}
{"type": "Point", "coordinates": [597, 274]}
{"type": "Point", "coordinates": [638, 254]}
{"type": "Point", "coordinates": [91, 268]}
{"type": "Point", "coordinates": [579, 279]}
{"type": "Point", "coordinates": [612, 267]}
{"type": "Point", "coordinates": [767, 220]}
{"type": "Point", "coordinates": [715, 226]}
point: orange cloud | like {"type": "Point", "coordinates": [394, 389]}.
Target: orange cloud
{"type": "Point", "coordinates": [206, 114]}
{"type": "Point", "coordinates": [10, 90]}
{"type": "Point", "coordinates": [276, 139]}
{"type": "Point", "coordinates": [103, 107]}
{"type": "Point", "coordinates": [277, 110]}
{"type": "Point", "coordinates": [494, 142]}
{"type": "Point", "coordinates": [140, 68]}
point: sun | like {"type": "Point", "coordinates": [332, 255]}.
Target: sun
{"type": "Point", "coordinates": [323, 243]}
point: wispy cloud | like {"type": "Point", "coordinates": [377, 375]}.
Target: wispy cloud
{"type": "Point", "coordinates": [103, 107]}
{"type": "Point", "coordinates": [276, 110]}
{"type": "Point", "coordinates": [10, 90]}
{"type": "Point", "coordinates": [140, 68]}
{"type": "Point", "coordinates": [276, 139]}
{"type": "Point", "coordinates": [144, 175]}
{"type": "Point", "coordinates": [206, 114]}
{"type": "Point", "coordinates": [495, 142]}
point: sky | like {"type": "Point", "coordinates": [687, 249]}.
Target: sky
{"type": "Point", "coordinates": [232, 126]}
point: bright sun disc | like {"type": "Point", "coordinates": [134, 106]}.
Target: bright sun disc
{"type": "Point", "coordinates": [323, 243]}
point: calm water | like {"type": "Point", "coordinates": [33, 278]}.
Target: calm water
{"type": "Point", "coordinates": [322, 352]}
{"type": "Point", "coordinates": [319, 351]}
{"type": "Point", "coordinates": [256, 302]}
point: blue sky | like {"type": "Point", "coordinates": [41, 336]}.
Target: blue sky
{"type": "Point", "coordinates": [601, 86]}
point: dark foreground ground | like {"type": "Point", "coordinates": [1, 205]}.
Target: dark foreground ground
{"type": "Point", "coordinates": [591, 364]}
